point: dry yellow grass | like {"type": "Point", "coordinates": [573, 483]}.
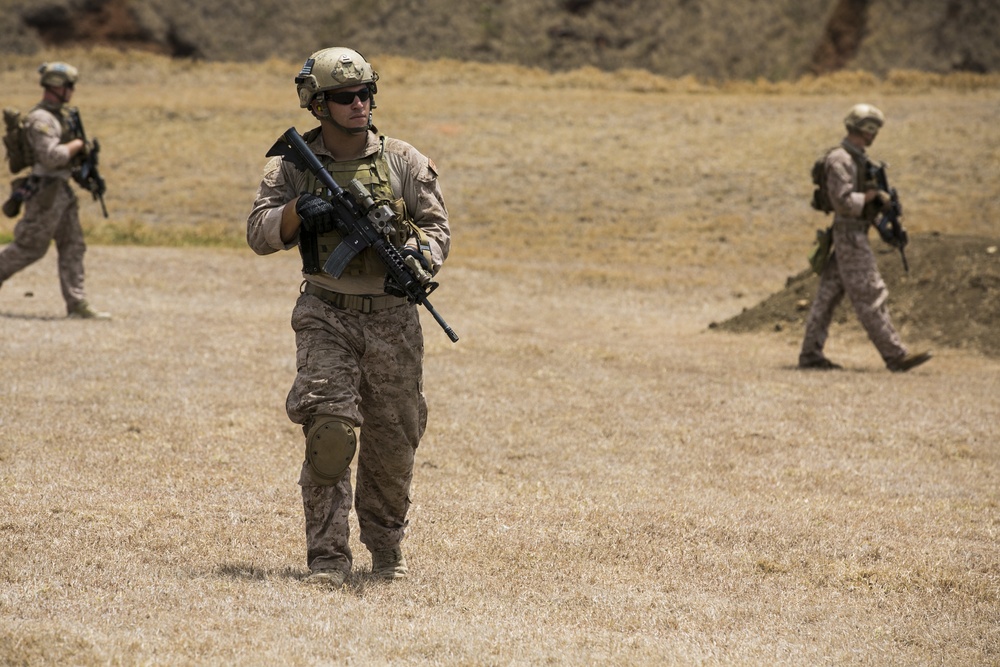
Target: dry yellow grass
{"type": "Point", "coordinates": [602, 481]}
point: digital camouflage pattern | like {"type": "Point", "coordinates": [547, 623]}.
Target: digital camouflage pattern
{"type": "Point", "coordinates": [852, 269]}
{"type": "Point", "coordinates": [367, 370]}
{"type": "Point", "coordinates": [364, 368]}
{"type": "Point", "coordinates": [52, 212]}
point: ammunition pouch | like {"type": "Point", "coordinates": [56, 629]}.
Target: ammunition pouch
{"type": "Point", "coordinates": [821, 252]}
{"type": "Point", "coordinates": [21, 190]}
{"type": "Point", "coordinates": [309, 250]}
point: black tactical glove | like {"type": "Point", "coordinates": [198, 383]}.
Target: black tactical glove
{"type": "Point", "coordinates": [418, 266]}
{"type": "Point", "coordinates": [417, 263]}
{"type": "Point", "coordinates": [21, 190]}
{"type": "Point", "coordinates": [316, 214]}
{"type": "Point", "coordinates": [409, 251]}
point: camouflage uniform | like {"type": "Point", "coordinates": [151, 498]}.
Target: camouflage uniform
{"type": "Point", "coordinates": [363, 367]}
{"type": "Point", "coordinates": [51, 212]}
{"type": "Point", "coordinates": [852, 269]}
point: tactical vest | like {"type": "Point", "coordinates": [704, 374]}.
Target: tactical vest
{"type": "Point", "coordinates": [373, 173]}
{"type": "Point", "coordinates": [63, 114]}
{"type": "Point", "coordinates": [863, 180]}
{"type": "Point", "coordinates": [861, 162]}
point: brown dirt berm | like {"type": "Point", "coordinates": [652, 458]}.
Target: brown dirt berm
{"type": "Point", "coordinates": [950, 297]}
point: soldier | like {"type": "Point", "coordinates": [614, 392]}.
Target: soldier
{"type": "Point", "coordinates": [359, 385]}
{"type": "Point", "coordinates": [852, 269]}
{"type": "Point", "coordinates": [50, 208]}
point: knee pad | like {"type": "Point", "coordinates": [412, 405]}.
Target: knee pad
{"type": "Point", "coordinates": [330, 446]}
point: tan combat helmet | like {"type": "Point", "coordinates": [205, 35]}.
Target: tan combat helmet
{"type": "Point", "coordinates": [864, 118]}
{"type": "Point", "coordinates": [56, 75]}
{"type": "Point", "coordinates": [329, 69]}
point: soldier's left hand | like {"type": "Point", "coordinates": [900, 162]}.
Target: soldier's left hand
{"type": "Point", "coordinates": [417, 263]}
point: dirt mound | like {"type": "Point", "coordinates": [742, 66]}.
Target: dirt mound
{"type": "Point", "coordinates": [950, 298]}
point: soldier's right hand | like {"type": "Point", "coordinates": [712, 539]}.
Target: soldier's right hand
{"type": "Point", "coordinates": [315, 213]}
{"type": "Point", "coordinates": [76, 148]}
{"type": "Point", "coordinates": [882, 200]}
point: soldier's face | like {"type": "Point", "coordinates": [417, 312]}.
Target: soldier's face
{"type": "Point", "coordinates": [347, 108]}
{"type": "Point", "coordinates": [868, 130]}
{"type": "Point", "coordinates": [63, 93]}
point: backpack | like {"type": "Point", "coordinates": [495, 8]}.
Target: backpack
{"type": "Point", "coordinates": [820, 199]}
{"type": "Point", "coordinates": [20, 154]}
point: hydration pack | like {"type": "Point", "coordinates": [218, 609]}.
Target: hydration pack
{"type": "Point", "coordinates": [20, 154]}
{"type": "Point", "coordinates": [821, 198]}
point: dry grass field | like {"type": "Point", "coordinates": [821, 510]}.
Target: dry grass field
{"type": "Point", "coordinates": [604, 479]}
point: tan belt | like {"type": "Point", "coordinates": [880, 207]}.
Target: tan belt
{"type": "Point", "coordinates": [852, 225]}
{"type": "Point", "coordinates": [363, 303]}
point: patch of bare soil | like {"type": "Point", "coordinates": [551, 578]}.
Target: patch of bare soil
{"type": "Point", "coordinates": [842, 36]}
{"type": "Point", "coordinates": [951, 296]}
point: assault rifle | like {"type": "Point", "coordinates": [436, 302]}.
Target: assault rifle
{"type": "Point", "coordinates": [889, 222]}
{"type": "Point", "coordinates": [361, 223]}
{"type": "Point", "coordinates": [86, 175]}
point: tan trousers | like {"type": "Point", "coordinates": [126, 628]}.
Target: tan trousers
{"type": "Point", "coordinates": [50, 214]}
{"type": "Point", "coordinates": [852, 270]}
{"type": "Point", "coordinates": [368, 370]}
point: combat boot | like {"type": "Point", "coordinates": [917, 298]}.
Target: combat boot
{"type": "Point", "coordinates": [908, 361]}
{"type": "Point", "coordinates": [329, 578]}
{"type": "Point", "coordinates": [83, 311]}
{"type": "Point", "coordinates": [822, 364]}
{"type": "Point", "coordinates": [389, 563]}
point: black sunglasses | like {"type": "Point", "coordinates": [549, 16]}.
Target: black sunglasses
{"type": "Point", "coordinates": [348, 97]}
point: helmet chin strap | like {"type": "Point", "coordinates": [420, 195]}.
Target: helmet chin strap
{"type": "Point", "coordinates": [352, 130]}
{"type": "Point", "coordinates": [61, 97]}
